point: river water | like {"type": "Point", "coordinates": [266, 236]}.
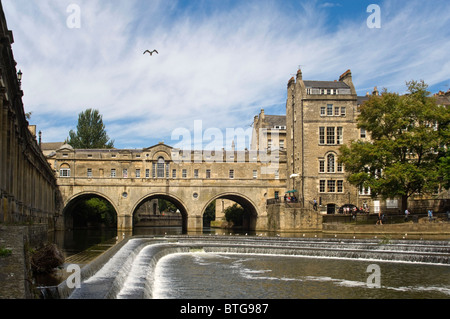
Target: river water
{"type": "Point", "coordinates": [229, 276]}
{"type": "Point", "coordinates": [200, 275]}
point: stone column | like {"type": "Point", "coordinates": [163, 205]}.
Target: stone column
{"type": "Point", "coordinates": [195, 224]}
{"type": "Point", "coordinates": [124, 223]}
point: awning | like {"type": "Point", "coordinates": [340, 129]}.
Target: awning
{"type": "Point", "coordinates": [292, 191]}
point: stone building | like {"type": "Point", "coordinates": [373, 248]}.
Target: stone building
{"type": "Point", "coordinates": [269, 132]}
{"type": "Point", "coordinates": [28, 187]}
{"type": "Point", "coordinates": [321, 116]}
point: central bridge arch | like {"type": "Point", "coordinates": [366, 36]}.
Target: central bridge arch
{"type": "Point", "coordinates": [181, 206]}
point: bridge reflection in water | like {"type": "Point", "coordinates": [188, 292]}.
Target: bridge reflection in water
{"type": "Point", "coordinates": [144, 266]}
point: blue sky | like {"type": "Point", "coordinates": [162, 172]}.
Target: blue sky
{"type": "Point", "coordinates": [219, 62]}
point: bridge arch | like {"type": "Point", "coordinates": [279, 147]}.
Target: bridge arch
{"type": "Point", "coordinates": [178, 202]}
{"type": "Point", "coordinates": [247, 203]}
{"type": "Point", "coordinates": [72, 202]}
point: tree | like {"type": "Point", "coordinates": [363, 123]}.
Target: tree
{"type": "Point", "coordinates": [235, 214]}
{"type": "Point", "coordinates": [90, 133]}
{"type": "Point", "coordinates": [407, 141]}
{"type": "Point", "coordinates": [95, 211]}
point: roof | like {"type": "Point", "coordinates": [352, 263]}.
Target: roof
{"type": "Point", "coordinates": [275, 120]}
{"type": "Point", "coordinates": [51, 146]}
{"type": "Point", "coordinates": [362, 99]}
{"type": "Point", "coordinates": [326, 84]}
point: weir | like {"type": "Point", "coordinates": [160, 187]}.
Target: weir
{"type": "Point", "coordinates": [127, 270]}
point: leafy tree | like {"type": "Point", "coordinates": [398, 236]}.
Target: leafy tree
{"type": "Point", "coordinates": [166, 206]}
{"type": "Point", "coordinates": [90, 133]}
{"type": "Point", "coordinates": [210, 213]}
{"type": "Point", "coordinates": [235, 214]}
{"type": "Point", "coordinates": [408, 135]}
{"type": "Point", "coordinates": [96, 211]}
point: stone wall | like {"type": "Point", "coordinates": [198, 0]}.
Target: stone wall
{"type": "Point", "coordinates": [15, 270]}
{"type": "Point", "coordinates": [290, 218]}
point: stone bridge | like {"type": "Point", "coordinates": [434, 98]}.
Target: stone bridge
{"type": "Point", "coordinates": [190, 180]}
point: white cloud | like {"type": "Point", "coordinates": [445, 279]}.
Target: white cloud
{"type": "Point", "coordinates": [221, 67]}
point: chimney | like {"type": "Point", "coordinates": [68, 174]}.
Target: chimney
{"type": "Point", "coordinates": [346, 75]}
{"type": "Point", "coordinates": [262, 116]}
{"type": "Point", "coordinates": [299, 75]}
{"type": "Point", "coordinates": [375, 91]}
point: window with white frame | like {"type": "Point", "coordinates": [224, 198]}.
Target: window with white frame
{"type": "Point", "coordinates": [339, 136]}
{"type": "Point", "coordinates": [321, 166]}
{"type": "Point", "coordinates": [330, 163]}
{"type": "Point", "coordinates": [64, 170]}
{"type": "Point", "coordinates": [331, 135]}
{"type": "Point", "coordinates": [330, 110]}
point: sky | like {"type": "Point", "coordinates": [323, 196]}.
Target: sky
{"type": "Point", "coordinates": [218, 63]}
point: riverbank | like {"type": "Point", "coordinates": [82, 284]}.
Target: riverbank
{"type": "Point", "coordinates": [15, 270]}
{"type": "Point", "coordinates": [417, 230]}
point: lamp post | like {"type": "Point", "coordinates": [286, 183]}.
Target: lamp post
{"type": "Point", "coordinates": [19, 77]}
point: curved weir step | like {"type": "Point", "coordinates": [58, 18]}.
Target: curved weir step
{"type": "Point", "coordinates": [129, 272]}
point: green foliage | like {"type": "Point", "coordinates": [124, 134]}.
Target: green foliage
{"type": "Point", "coordinates": [5, 252]}
{"type": "Point", "coordinates": [405, 154]}
{"type": "Point", "coordinates": [235, 214]}
{"type": "Point", "coordinates": [166, 206]}
{"type": "Point", "coordinates": [90, 133]}
{"type": "Point", "coordinates": [210, 213]}
{"type": "Point", "coordinates": [95, 211]}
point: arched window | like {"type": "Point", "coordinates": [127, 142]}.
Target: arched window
{"type": "Point", "coordinates": [160, 167]}
{"type": "Point", "coordinates": [331, 163]}
{"type": "Point", "coordinates": [64, 170]}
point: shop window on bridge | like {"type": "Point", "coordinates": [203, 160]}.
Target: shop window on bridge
{"type": "Point", "coordinates": [64, 170]}
{"type": "Point", "coordinates": [161, 169]}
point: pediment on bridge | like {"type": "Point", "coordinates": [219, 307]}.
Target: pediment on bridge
{"type": "Point", "coordinates": [158, 146]}
{"type": "Point", "coordinates": [159, 150]}
{"type": "Point", "coordinates": [65, 148]}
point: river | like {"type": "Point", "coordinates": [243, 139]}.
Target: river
{"type": "Point", "coordinates": [201, 275]}
{"type": "Point", "coordinates": [229, 276]}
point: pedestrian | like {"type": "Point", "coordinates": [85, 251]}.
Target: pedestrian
{"type": "Point", "coordinates": [315, 204]}
{"type": "Point", "coordinates": [406, 215]}
{"type": "Point", "coordinates": [380, 219]}
{"type": "Point", "coordinates": [430, 215]}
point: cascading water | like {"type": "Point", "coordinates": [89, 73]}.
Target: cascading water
{"type": "Point", "coordinates": [130, 272]}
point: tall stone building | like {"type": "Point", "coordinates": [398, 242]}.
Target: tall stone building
{"type": "Point", "coordinates": [269, 132]}
{"type": "Point", "coordinates": [321, 116]}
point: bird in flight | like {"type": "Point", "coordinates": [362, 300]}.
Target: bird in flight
{"type": "Point", "coordinates": [151, 52]}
